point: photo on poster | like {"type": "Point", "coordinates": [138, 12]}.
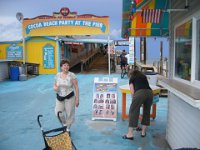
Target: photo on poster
{"type": "Point", "coordinates": [104, 105]}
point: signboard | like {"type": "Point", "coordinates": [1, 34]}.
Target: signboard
{"type": "Point", "coordinates": [104, 99]}
{"type": "Point", "coordinates": [65, 26]}
{"type": "Point", "coordinates": [121, 43]}
{"type": "Point", "coordinates": [48, 56]}
{"type": "Point", "coordinates": [112, 48]}
{"type": "Point", "coordinates": [131, 50]}
{"type": "Point", "coordinates": [14, 52]}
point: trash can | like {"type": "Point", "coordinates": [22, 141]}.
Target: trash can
{"type": "Point", "coordinates": [20, 70]}
{"type": "Point", "coordinates": [152, 77]}
{"type": "Point", "coordinates": [14, 73]}
{"type": "Point", "coordinates": [36, 69]}
{"type": "Point", "coordinates": [22, 77]}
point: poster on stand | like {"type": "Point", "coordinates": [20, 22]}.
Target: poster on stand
{"type": "Point", "coordinates": [104, 104]}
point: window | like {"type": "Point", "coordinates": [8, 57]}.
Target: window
{"type": "Point", "coordinates": [197, 69]}
{"type": "Point", "coordinates": [183, 50]}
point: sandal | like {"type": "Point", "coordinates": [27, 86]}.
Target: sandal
{"type": "Point", "coordinates": [143, 135]}
{"type": "Point", "coordinates": [127, 138]}
{"type": "Point", "coordinates": [138, 129]}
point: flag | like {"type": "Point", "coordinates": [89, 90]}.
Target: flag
{"type": "Point", "coordinates": [151, 15]}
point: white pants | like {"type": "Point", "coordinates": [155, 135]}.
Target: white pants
{"type": "Point", "coordinates": [67, 107]}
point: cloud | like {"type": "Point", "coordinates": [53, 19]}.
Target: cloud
{"type": "Point", "coordinates": [10, 29]}
{"type": "Point", "coordinates": [115, 34]}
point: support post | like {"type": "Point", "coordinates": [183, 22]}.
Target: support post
{"type": "Point", "coordinates": [108, 54]}
{"type": "Point", "coordinates": [143, 50]}
{"type": "Point", "coordinates": [58, 53]}
{"type": "Point", "coordinates": [135, 65]}
{"type": "Point", "coordinates": [23, 43]}
{"type": "Point", "coordinates": [24, 69]}
{"type": "Point", "coordinates": [161, 57]}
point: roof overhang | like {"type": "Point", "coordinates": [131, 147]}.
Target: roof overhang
{"type": "Point", "coordinates": [85, 40]}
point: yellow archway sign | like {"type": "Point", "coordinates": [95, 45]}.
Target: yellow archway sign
{"type": "Point", "coordinates": [66, 23]}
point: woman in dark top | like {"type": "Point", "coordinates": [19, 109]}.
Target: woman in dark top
{"type": "Point", "coordinates": [141, 95]}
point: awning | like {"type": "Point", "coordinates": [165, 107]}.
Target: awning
{"type": "Point", "coordinates": [133, 20]}
{"type": "Point", "coordinates": [85, 40]}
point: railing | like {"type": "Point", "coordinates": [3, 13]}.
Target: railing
{"type": "Point", "coordinates": [162, 67]}
{"type": "Point", "coordinates": [87, 60]}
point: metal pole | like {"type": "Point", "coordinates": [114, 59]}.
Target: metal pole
{"type": "Point", "coordinates": [141, 50]}
{"type": "Point", "coordinates": [23, 43]}
{"type": "Point", "coordinates": [58, 53]}
{"type": "Point", "coordinates": [168, 10]}
{"type": "Point", "coordinates": [24, 70]}
{"type": "Point", "coordinates": [20, 18]}
{"type": "Point", "coordinates": [161, 57]}
{"type": "Point", "coordinates": [145, 51]}
{"type": "Point", "coordinates": [135, 65]}
{"type": "Point", "coordinates": [108, 54]}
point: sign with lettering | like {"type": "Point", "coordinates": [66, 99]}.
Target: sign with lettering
{"type": "Point", "coordinates": [105, 99]}
{"type": "Point", "coordinates": [65, 26]}
{"type": "Point", "coordinates": [131, 50]}
{"type": "Point", "coordinates": [48, 56]}
{"type": "Point", "coordinates": [112, 48]}
{"type": "Point", "coordinates": [14, 52]}
{"type": "Point", "coordinates": [121, 43]}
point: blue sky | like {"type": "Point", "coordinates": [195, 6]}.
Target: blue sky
{"type": "Point", "coordinates": [10, 28]}
{"type": "Point", "coordinates": [33, 8]}
{"type": "Point", "coordinates": [153, 48]}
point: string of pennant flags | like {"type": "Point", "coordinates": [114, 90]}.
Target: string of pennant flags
{"type": "Point", "coordinates": [151, 15]}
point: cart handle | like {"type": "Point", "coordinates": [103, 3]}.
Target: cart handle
{"type": "Point", "coordinates": [58, 115]}
{"type": "Point", "coordinates": [38, 120]}
{"type": "Point", "coordinates": [55, 130]}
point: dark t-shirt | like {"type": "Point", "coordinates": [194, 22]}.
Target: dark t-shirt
{"type": "Point", "coordinates": [139, 82]}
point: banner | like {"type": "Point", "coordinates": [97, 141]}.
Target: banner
{"type": "Point", "coordinates": [112, 48]}
{"type": "Point", "coordinates": [131, 50]}
{"type": "Point", "coordinates": [48, 56]}
{"type": "Point", "coordinates": [65, 26]}
{"type": "Point", "coordinates": [104, 99]}
{"type": "Point", "coordinates": [14, 52]}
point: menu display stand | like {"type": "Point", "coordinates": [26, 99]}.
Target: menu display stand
{"type": "Point", "coordinates": [104, 105]}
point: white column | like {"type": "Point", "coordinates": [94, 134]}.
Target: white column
{"type": "Point", "coordinates": [109, 54]}
{"type": "Point", "coordinates": [58, 53]}
{"type": "Point", "coordinates": [23, 45]}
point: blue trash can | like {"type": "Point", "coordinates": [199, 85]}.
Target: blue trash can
{"type": "Point", "coordinates": [14, 73]}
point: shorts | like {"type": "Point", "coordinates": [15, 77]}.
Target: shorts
{"type": "Point", "coordinates": [123, 65]}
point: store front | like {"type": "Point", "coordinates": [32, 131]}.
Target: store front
{"type": "Point", "coordinates": [183, 82]}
